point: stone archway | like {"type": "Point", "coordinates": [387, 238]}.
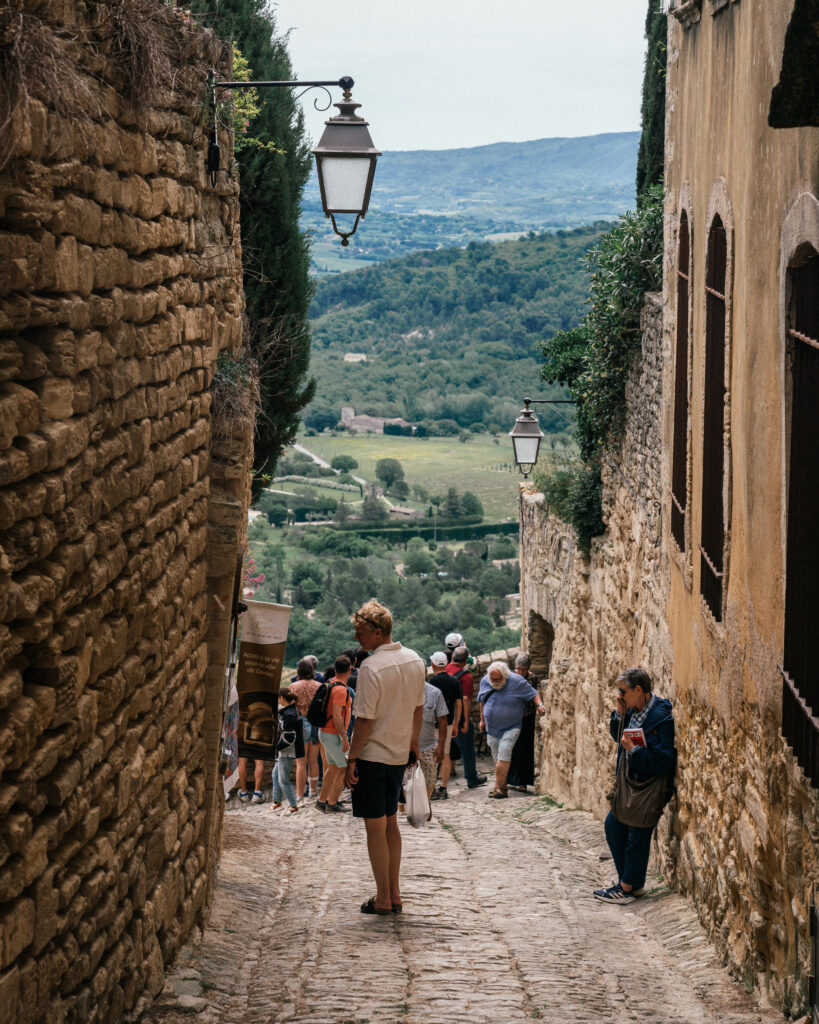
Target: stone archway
{"type": "Point", "coordinates": [539, 642]}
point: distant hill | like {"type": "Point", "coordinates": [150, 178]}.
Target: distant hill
{"type": "Point", "coordinates": [450, 336]}
{"type": "Point", "coordinates": [432, 198]}
{"type": "Point", "coordinates": [508, 177]}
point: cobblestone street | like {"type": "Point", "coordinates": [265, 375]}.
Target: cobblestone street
{"type": "Point", "coordinates": [498, 926]}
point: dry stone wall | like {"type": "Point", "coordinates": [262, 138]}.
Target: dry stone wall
{"type": "Point", "coordinates": [120, 281]}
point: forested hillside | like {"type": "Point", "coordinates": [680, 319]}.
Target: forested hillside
{"type": "Point", "coordinates": [450, 336]}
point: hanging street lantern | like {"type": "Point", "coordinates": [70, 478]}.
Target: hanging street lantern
{"type": "Point", "coordinates": [526, 437]}
{"type": "Point", "coordinates": [345, 155]}
{"type": "Point", "coordinates": [345, 164]}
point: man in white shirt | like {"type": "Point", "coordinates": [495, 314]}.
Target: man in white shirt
{"type": "Point", "coordinates": [389, 705]}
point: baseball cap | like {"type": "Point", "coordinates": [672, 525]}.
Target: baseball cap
{"type": "Point", "coordinates": [438, 658]}
{"type": "Point", "coordinates": [453, 640]}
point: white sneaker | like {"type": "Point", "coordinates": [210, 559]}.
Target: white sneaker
{"type": "Point", "coordinates": [257, 798]}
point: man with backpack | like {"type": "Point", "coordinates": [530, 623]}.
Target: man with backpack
{"type": "Point", "coordinates": [459, 670]}
{"type": "Point", "coordinates": [330, 710]}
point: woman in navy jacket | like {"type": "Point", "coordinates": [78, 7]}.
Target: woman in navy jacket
{"type": "Point", "coordinates": [630, 846]}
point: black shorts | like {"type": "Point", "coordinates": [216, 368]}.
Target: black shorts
{"type": "Point", "coordinates": [375, 795]}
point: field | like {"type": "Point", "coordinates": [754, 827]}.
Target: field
{"type": "Point", "coordinates": [481, 464]}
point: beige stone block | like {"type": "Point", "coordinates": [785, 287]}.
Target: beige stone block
{"type": "Point", "coordinates": [65, 264]}
{"type": "Point", "coordinates": [16, 929]}
{"type": "Point", "coordinates": [45, 700]}
{"type": "Point", "coordinates": [10, 994]}
{"type": "Point", "coordinates": [85, 269]}
{"type": "Point", "coordinates": [56, 396]}
{"type": "Point", "coordinates": [19, 412]}
{"type": "Point", "coordinates": [61, 782]}
{"type": "Point", "coordinates": [11, 359]}
{"type": "Point", "coordinates": [15, 312]}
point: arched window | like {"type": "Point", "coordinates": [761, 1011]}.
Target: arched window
{"type": "Point", "coordinates": [801, 656]}
{"type": "Point", "coordinates": [679, 467]}
{"type": "Point", "coordinates": [712, 534]}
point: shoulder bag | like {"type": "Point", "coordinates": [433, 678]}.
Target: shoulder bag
{"type": "Point", "coordinates": [638, 804]}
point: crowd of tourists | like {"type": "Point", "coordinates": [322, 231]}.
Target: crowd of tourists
{"type": "Point", "coordinates": [350, 736]}
{"type": "Point", "coordinates": [312, 757]}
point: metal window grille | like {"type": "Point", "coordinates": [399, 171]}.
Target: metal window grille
{"type": "Point", "coordinates": [679, 471]}
{"type": "Point", "coordinates": [814, 941]}
{"type": "Point", "coordinates": [800, 686]}
{"type": "Point", "coordinates": [712, 537]}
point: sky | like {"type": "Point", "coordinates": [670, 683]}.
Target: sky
{"type": "Point", "coordinates": [447, 74]}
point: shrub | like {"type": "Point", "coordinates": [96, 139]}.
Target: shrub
{"type": "Point", "coordinates": [573, 491]}
{"type": "Point", "coordinates": [593, 359]}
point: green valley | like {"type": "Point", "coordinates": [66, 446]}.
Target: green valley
{"type": "Point", "coordinates": [449, 339]}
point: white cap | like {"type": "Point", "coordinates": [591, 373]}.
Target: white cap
{"type": "Point", "coordinates": [438, 658]}
{"type": "Point", "coordinates": [453, 640]}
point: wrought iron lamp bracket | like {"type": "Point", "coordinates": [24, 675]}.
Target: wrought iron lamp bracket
{"type": "Point", "coordinates": [345, 84]}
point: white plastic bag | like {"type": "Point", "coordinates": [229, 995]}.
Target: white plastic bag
{"type": "Point", "coordinates": [415, 791]}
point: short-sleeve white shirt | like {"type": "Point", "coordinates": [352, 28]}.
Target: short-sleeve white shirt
{"type": "Point", "coordinates": [390, 687]}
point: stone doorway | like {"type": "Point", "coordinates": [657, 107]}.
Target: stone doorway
{"type": "Point", "coordinates": [538, 642]}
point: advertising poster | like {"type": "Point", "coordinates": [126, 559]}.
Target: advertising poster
{"type": "Point", "coordinates": [261, 657]}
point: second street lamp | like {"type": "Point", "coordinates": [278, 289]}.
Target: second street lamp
{"type": "Point", "coordinates": [526, 434]}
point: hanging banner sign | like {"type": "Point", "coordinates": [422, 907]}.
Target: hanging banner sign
{"type": "Point", "coordinates": [261, 657]}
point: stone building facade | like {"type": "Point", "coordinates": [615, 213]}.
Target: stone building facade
{"type": "Point", "coordinates": [706, 573]}
{"type": "Point", "coordinates": [120, 519]}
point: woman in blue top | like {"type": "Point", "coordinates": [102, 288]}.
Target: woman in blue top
{"type": "Point", "coordinates": [502, 699]}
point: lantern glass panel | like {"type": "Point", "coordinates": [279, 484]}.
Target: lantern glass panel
{"type": "Point", "coordinates": [345, 183]}
{"type": "Point", "coordinates": [526, 450]}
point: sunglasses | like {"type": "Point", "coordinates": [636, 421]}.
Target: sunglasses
{"type": "Point", "coordinates": [363, 618]}
{"type": "Point", "coordinates": [621, 691]}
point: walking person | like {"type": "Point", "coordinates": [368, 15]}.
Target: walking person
{"type": "Point", "coordinates": [390, 697]}
{"type": "Point", "coordinates": [435, 729]}
{"type": "Point", "coordinates": [642, 724]}
{"type": "Point", "coordinates": [522, 765]}
{"type": "Point", "coordinates": [333, 738]}
{"type": "Point", "coordinates": [290, 747]}
{"type": "Point", "coordinates": [503, 697]}
{"type": "Point", "coordinates": [458, 668]}
{"type": "Point", "coordinates": [450, 688]}
{"type": "Point", "coordinates": [305, 688]}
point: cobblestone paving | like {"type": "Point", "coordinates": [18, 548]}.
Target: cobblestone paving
{"type": "Point", "coordinates": [498, 926]}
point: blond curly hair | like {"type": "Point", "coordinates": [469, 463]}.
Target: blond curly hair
{"type": "Point", "coordinates": [376, 615]}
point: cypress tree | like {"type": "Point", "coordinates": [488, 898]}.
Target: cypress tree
{"type": "Point", "coordinates": [652, 140]}
{"type": "Point", "coordinates": [276, 253]}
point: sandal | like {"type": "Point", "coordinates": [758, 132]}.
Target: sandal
{"type": "Point", "coordinates": [498, 794]}
{"type": "Point", "coordinates": [397, 908]}
{"type": "Point", "coordinates": [370, 908]}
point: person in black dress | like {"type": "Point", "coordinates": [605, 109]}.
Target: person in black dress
{"type": "Point", "coordinates": [522, 767]}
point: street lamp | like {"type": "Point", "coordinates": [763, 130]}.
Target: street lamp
{"type": "Point", "coordinates": [526, 434]}
{"type": "Point", "coordinates": [345, 165]}
{"type": "Point", "coordinates": [345, 155]}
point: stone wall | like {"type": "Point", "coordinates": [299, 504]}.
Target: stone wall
{"type": "Point", "coordinates": [585, 619]}
{"type": "Point", "coordinates": [741, 836]}
{"type": "Point", "coordinates": [120, 282]}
